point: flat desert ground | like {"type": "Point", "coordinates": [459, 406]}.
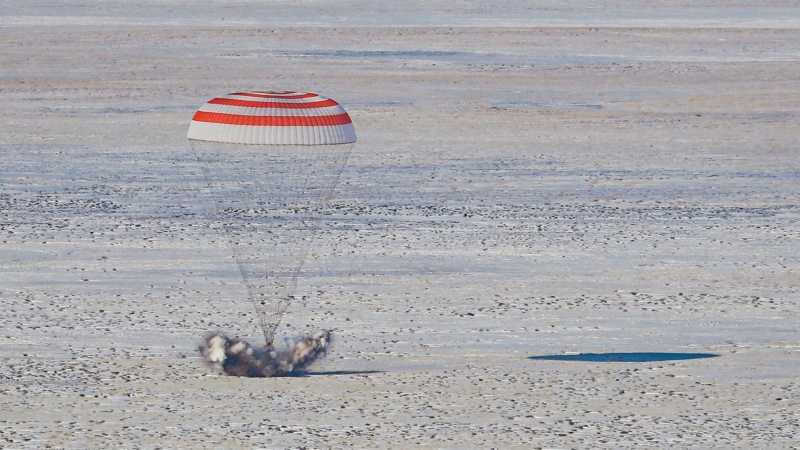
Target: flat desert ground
{"type": "Point", "coordinates": [564, 225]}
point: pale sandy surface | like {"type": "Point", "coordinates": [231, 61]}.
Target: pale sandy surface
{"type": "Point", "coordinates": [539, 188]}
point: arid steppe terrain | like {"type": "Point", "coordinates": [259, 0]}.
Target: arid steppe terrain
{"type": "Point", "coordinates": [532, 183]}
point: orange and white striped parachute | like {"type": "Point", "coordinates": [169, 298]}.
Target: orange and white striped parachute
{"type": "Point", "coordinates": [272, 118]}
{"type": "Point", "coordinates": [271, 160]}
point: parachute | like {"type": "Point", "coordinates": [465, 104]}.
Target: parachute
{"type": "Point", "coordinates": [271, 161]}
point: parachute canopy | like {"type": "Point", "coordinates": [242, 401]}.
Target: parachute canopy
{"type": "Point", "coordinates": [271, 161]}
{"type": "Point", "coordinates": [272, 118]}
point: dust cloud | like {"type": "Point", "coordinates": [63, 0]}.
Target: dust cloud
{"type": "Point", "coordinates": [238, 358]}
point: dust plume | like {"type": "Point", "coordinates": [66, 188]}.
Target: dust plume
{"type": "Point", "coordinates": [239, 358]}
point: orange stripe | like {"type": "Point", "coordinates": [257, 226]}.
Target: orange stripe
{"type": "Point", "coordinates": [249, 104]}
{"type": "Point", "coordinates": [272, 121]}
{"type": "Point", "coordinates": [291, 97]}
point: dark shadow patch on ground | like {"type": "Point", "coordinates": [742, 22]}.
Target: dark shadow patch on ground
{"type": "Point", "coordinates": [331, 373]}
{"type": "Point", "coordinates": [625, 357]}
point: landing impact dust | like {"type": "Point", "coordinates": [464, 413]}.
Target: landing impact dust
{"type": "Point", "coordinates": [238, 358]}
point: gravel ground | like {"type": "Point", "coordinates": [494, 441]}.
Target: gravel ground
{"type": "Point", "coordinates": [562, 227]}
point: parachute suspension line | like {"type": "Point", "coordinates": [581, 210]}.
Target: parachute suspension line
{"type": "Point", "coordinates": [218, 186]}
{"type": "Point", "coordinates": [253, 297]}
{"type": "Point", "coordinates": [334, 159]}
{"type": "Point", "coordinates": [271, 160]}
{"type": "Point", "coordinates": [270, 201]}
